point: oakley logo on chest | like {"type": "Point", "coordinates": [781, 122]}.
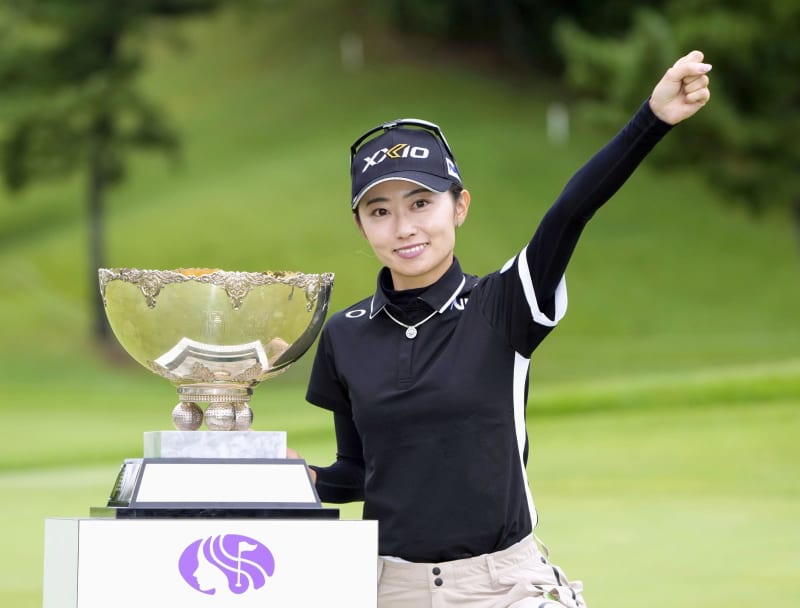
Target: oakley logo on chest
{"type": "Point", "coordinates": [459, 304]}
{"type": "Point", "coordinates": [396, 151]}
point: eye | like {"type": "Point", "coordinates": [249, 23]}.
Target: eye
{"type": "Point", "coordinates": [420, 203]}
{"type": "Point", "coordinates": [379, 212]}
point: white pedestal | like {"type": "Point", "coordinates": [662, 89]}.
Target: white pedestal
{"type": "Point", "coordinates": [215, 444]}
{"type": "Point", "coordinates": [209, 563]}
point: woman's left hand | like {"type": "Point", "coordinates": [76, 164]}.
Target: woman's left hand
{"type": "Point", "coordinates": [294, 455]}
{"type": "Point", "coordinates": [683, 90]}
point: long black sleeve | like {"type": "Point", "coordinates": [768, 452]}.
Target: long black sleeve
{"type": "Point", "coordinates": [551, 247]}
{"type": "Point", "coordinates": [343, 481]}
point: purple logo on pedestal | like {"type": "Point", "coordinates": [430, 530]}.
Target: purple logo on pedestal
{"type": "Point", "coordinates": [237, 562]}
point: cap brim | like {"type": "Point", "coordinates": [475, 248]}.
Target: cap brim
{"type": "Point", "coordinates": [426, 180]}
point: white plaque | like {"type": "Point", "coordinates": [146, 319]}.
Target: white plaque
{"type": "Point", "coordinates": [235, 482]}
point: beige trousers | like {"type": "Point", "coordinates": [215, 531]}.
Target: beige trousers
{"type": "Point", "coordinates": [518, 577]}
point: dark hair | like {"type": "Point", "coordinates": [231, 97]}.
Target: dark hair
{"type": "Point", "coordinates": [456, 191]}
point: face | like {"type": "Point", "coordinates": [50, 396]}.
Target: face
{"type": "Point", "coordinates": [208, 578]}
{"type": "Point", "coordinates": [411, 230]}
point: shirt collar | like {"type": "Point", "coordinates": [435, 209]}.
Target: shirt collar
{"type": "Point", "coordinates": [438, 296]}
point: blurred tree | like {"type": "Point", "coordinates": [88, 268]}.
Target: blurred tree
{"type": "Point", "coordinates": [68, 74]}
{"type": "Point", "coordinates": [746, 145]}
{"type": "Point", "coordinates": [520, 30]}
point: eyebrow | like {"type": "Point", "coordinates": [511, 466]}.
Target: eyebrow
{"type": "Point", "coordinates": [383, 199]}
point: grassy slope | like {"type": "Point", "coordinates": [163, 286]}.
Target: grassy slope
{"type": "Point", "coordinates": [666, 277]}
{"type": "Point", "coordinates": [680, 350]}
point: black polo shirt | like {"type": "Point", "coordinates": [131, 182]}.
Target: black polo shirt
{"type": "Point", "coordinates": [431, 430]}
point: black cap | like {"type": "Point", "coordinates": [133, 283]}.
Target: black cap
{"type": "Point", "coordinates": [413, 155]}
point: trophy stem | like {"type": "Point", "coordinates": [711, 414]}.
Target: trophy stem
{"type": "Point", "coordinates": [228, 407]}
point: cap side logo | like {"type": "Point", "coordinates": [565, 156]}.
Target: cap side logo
{"type": "Point", "coordinates": [451, 169]}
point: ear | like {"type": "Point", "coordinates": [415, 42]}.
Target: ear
{"type": "Point", "coordinates": [462, 207]}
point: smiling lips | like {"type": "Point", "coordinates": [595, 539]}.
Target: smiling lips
{"type": "Point", "coordinates": [413, 251]}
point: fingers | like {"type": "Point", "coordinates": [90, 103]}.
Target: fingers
{"type": "Point", "coordinates": [692, 74]}
{"type": "Point", "coordinates": [699, 97]}
{"type": "Point", "coordinates": [695, 89]}
{"type": "Point", "coordinates": [695, 83]}
{"type": "Point", "coordinates": [688, 66]}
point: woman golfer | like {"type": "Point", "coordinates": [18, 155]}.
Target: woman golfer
{"type": "Point", "coordinates": [427, 378]}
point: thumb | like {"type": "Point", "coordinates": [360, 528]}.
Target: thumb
{"type": "Point", "coordinates": [693, 56]}
{"type": "Point", "coordinates": [688, 65]}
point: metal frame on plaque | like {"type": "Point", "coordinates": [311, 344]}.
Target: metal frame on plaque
{"type": "Point", "coordinates": [214, 487]}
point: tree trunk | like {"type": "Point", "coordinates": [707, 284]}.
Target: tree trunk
{"type": "Point", "coordinates": [99, 174]}
{"type": "Point", "coordinates": [96, 201]}
{"type": "Point", "coordinates": [796, 216]}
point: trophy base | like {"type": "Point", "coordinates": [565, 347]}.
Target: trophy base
{"type": "Point", "coordinates": [198, 563]}
{"type": "Point", "coordinates": [213, 444]}
{"type": "Point", "coordinates": [214, 513]}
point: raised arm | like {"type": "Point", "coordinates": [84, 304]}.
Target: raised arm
{"type": "Point", "coordinates": [680, 93]}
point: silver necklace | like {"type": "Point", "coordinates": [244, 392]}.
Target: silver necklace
{"type": "Point", "coordinates": [411, 330]}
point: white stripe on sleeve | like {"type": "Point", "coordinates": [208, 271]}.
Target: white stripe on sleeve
{"type": "Point", "coordinates": [527, 286]}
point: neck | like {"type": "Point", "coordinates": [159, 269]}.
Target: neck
{"type": "Point", "coordinates": [402, 282]}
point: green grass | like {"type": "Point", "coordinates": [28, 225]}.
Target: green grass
{"type": "Point", "coordinates": [691, 501]}
{"type": "Point", "coordinates": [664, 409]}
{"type": "Point", "coordinates": [689, 505]}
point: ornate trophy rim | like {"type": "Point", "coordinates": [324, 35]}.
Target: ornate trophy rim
{"type": "Point", "coordinates": [237, 284]}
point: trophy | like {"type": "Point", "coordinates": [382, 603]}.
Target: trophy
{"type": "Point", "coordinates": [215, 335]}
{"type": "Point", "coordinates": [215, 517]}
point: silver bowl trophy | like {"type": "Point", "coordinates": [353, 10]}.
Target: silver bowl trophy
{"type": "Point", "coordinates": [215, 335]}
{"type": "Point", "coordinates": [218, 516]}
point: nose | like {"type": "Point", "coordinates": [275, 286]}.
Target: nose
{"type": "Point", "coordinates": [405, 226]}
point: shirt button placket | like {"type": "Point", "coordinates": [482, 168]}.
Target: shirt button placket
{"type": "Point", "coordinates": [405, 362]}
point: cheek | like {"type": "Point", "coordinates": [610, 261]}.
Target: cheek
{"type": "Point", "coordinates": [374, 235]}
{"type": "Point", "coordinates": [447, 230]}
